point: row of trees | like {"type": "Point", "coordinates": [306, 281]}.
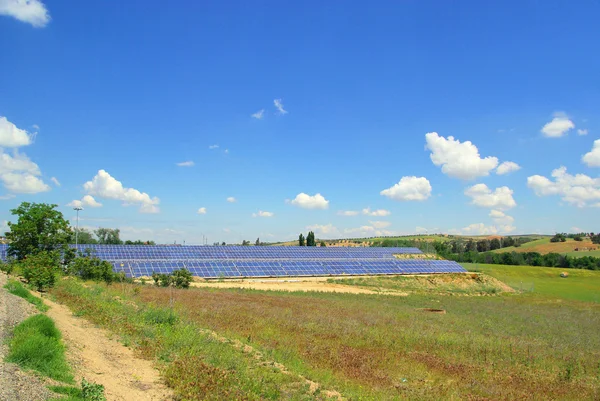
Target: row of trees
{"type": "Point", "coordinates": [107, 236]}
{"type": "Point", "coordinates": [309, 240]}
{"type": "Point", "coordinates": [528, 259]}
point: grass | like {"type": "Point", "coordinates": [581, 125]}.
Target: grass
{"type": "Point", "coordinates": [459, 284]}
{"type": "Point", "coordinates": [16, 288]}
{"type": "Point", "coordinates": [544, 246]}
{"type": "Point", "coordinates": [582, 285]}
{"type": "Point", "coordinates": [36, 345]}
{"type": "Point", "coordinates": [364, 346]}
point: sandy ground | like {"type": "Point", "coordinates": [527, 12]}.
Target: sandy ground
{"type": "Point", "coordinates": [99, 359]}
{"type": "Point", "coordinates": [303, 284]}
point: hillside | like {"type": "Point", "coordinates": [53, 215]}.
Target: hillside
{"type": "Point", "coordinates": [544, 246]}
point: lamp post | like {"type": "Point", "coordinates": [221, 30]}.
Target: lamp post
{"type": "Point", "coordinates": [77, 209]}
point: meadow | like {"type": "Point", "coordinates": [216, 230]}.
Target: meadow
{"type": "Point", "coordinates": [582, 285]}
{"type": "Point", "coordinates": [544, 246]}
{"type": "Point", "coordinates": [217, 343]}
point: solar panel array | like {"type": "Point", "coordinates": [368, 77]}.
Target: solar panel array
{"type": "Point", "coordinates": [276, 261]}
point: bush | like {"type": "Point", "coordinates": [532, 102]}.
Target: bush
{"type": "Point", "coordinates": [92, 391]}
{"type": "Point", "coordinates": [40, 270]}
{"type": "Point", "coordinates": [180, 278]}
{"type": "Point", "coordinates": [92, 268]}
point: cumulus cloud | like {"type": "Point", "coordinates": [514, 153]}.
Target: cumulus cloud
{"type": "Point", "coordinates": [500, 217]}
{"type": "Point", "coordinates": [409, 189]}
{"type": "Point", "coordinates": [55, 181]}
{"type": "Point", "coordinates": [578, 190]}
{"type": "Point", "coordinates": [306, 201]}
{"type": "Point", "coordinates": [367, 231]}
{"type": "Point", "coordinates": [378, 213]}
{"type": "Point", "coordinates": [380, 224]}
{"type": "Point", "coordinates": [188, 163]}
{"type": "Point", "coordinates": [324, 231]}
{"type": "Point", "coordinates": [11, 136]}
{"type": "Point", "coordinates": [231, 199]}
{"type": "Point", "coordinates": [482, 196]}
{"type": "Point", "coordinates": [263, 214]}
{"type": "Point", "coordinates": [507, 168]}
{"type": "Point", "coordinates": [33, 12]}
{"type": "Point", "coordinates": [7, 196]}
{"type": "Point", "coordinates": [279, 106]}
{"type": "Point", "coordinates": [582, 131]}
{"type": "Point", "coordinates": [347, 213]}
{"type": "Point", "coordinates": [107, 187]}
{"type": "Point", "coordinates": [202, 210]}
{"type": "Point", "coordinates": [458, 160]}
{"type": "Point", "coordinates": [592, 158]}
{"type": "Point", "coordinates": [559, 126]}
{"type": "Point", "coordinates": [86, 201]}
{"type": "Point", "coordinates": [19, 174]}
{"type": "Point", "coordinates": [259, 114]}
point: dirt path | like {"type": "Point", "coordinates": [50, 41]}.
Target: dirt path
{"type": "Point", "coordinates": [98, 358]}
{"type": "Point", "coordinates": [15, 384]}
{"type": "Point", "coordinates": [301, 285]}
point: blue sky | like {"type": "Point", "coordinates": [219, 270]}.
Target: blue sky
{"type": "Point", "coordinates": [309, 115]}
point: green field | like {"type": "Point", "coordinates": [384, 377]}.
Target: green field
{"type": "Point", "coordinates": [544, 246]}
{"type": "Point", "coordinates": [487, 344]}
{"type": "Point", "coordinates": [582, 285]}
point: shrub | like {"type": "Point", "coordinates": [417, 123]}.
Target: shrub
{"type": "Point", "coordinates": [161, 279]}
{"type": "Point", "coordinates": [40, 270]}
{"type": "Point", "coordinates": [181, 278]}
{"type": "Point", "coordinates": [92, 268]}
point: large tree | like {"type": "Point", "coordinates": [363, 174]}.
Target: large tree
{"type": "Point", "coordinates": [84, 236]}
{"type": "Point", "coordinates": [40, 227]}
{"type": "Point", "coordinates": [108, 236]}
{"type": "Point", "coordinates": [301, 240]}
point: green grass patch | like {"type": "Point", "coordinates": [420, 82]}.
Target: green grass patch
{"type": "Point", "coordinates": [581, 285]}
{"type": "Point", "coordinates": [36, 345]}
{"type": "Point", "coordinates": [16, 288]}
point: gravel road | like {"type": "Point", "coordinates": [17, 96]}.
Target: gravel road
{"type": "Point", "coordinates": [16, 385]}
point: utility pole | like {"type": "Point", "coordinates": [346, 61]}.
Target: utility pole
{"type": "Point", "coordinates": [77, 209]}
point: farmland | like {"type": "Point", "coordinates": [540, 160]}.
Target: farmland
{"type": "Point", "coordinates": [488, 344]}
{"type": "Point", "coordinates": [544, 246]}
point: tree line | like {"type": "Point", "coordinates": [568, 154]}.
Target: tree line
{"type": "Point", "coordinates": [309, 240]}
{"type": "Point", "coordinates": [105, 236]}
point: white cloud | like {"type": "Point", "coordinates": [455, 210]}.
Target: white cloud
{"type": "Point", "coordinates": [458, 160]}
{"type": "Point", "coordinates": [33, 12]}
{"type": "Point", "coordinates": [592, 158]}
{"type": "Point", "coordinates": [582, 132]}
{"type": "Point", "coordinates": [10, 135]}
{"type": "Point", "coordinates": [202, 210]}
{"type": "Point", "coordinates": [213, 146]}
{"type": "Point", "coordinates": [260, 114]}
{"type": "Point", "coordinates": [380, 224]}
{"type": "Point", "coordinates": [501, 198]}
{"type": "Point", "coordinates": [507, 167]}
{"type": "Point", "coordinates": [19, 174]}
{"type": "Point", "coordinates": [87, 201]}
{"type": "Point", "coordinates": [231, 199]}
{"type": "Point", "coordinates": [409, 189]}
{"type": "Point", "coordinates": [263, 214]}
{"type": "Point", "coordinates": [324, 231]}
{"type": "Point", "coordinates": [7, 196]}
{"type": "Point", "coordinates": [188, 163]}
{"type": "Point", "coordinates": [479, 229]}
{"type": "Point", "coordinates": [55, 181]}
{"type": "Point", "coordinates": [306, 201]}
{"type": "Point", "coordinates": [559, 126]}
{"type": "Point", "coordinates": [347, 213]}
{"type": "Point", "coordinates": [500, 217]}
{"type": "Point", "coordinates": [378, 213]}
{"type": "Point", "coordinates": [279, 106]}
{"type": "Point", "coordinates": [107, 187]}
{"type": "Point", "coordinates": [579, 190]}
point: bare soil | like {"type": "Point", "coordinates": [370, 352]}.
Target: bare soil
{"type": "Point", "coordinates": [319, 284]}
{"type": "Point", "coordinates": [98, 358]}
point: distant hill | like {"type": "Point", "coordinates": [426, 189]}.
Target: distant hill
{"type": "Point", "coordinates": [544, 246]}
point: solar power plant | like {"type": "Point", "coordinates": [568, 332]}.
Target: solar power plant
{"type": "Point", "coordinates": [268, 261]}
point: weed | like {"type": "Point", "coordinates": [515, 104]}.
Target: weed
{"type": "Point", "coordinates": [36, 345]}
{"type": "Point", "coordinates": [16, 288]}
{"type": "Point", "coordinates": [92, 391]}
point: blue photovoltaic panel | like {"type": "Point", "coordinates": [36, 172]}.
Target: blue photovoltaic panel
{"type": "Point", "coordinates": [268, 261]}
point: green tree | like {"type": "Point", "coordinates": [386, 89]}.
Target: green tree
{"type": "Point", "coordinates": [323, 244]}
{"type": "Point", "coordinates": [310, 239]}
{"type": "Point", "coordinates": [257, 243]}
{"type": "Point", "coordinates": [84, 236]}
{"type": "Point", "coordinates": [494, 244]}
{"type": "Point", "coordinates": [108, 236]}
{"type": "Point", "coordinates": [40, 227]}
{"type": "Point", "coordinates": [41, 268]}
{"type": "Point", "coordinates": [245, 243]}
{"type": "Point", "coordinates": [301, 240]}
